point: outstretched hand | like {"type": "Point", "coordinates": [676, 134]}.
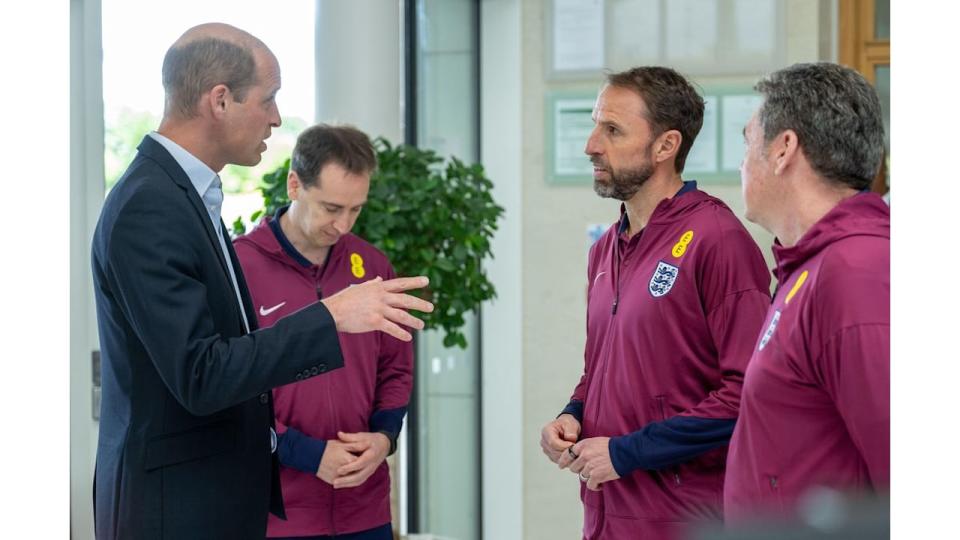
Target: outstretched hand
{"type": "Point", "coordinates": [379, 305]}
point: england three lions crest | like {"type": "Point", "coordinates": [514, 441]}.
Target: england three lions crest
{"type": "Point", "coordinates": [663, 279]}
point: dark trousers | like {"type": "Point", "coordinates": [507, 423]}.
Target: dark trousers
{"type": "Point", "coordinates": [384, 532]}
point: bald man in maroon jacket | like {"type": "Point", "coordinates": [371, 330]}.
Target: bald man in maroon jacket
{"type": "Point", "coordinates": [815, 410]}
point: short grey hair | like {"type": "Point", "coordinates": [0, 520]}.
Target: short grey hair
{"type": "Point", "coordinates": [191, 69]}
{"type": "Point", "coordinates": [836, 115]}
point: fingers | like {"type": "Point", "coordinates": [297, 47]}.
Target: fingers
{"type": "Point", "coordinates": [361, 438]}
{"type": "Point", "coordinates": [567, 457]}
{"type": "Point", "coordinates": [407, 301]}
{"type": "Point", "coordinates": [392, 329]}
{"type": "Point", "coordinates": [354, 479]}
{"type": "Point", "coordinates": [592, 483]}
{"type": "Point", "coordinates": [553, 435]}
{"type": "Point", "coordinates": [549, 439]}
{"type": "Point", "coordinates": [359, 464]}
{"type": "Point", "coordinates": [355, 448]}
{"type": "Point", "coordinates": [578, 464]}
{"type": "Point", "coordinates": [553, 454]}
{"type": "Point", "coordinates": [569, 428]}
{"type": "Point", "coordinates": [402, 317]}
{"type": "Point", "coordinates": [405, 283]}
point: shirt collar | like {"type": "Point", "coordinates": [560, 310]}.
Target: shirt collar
{"type": "Point", "coordinates": [200, 175]}
{"type": "Point", "coordinates": [688, 186]}
{"type": "Point", "coordinates": [284, 242]}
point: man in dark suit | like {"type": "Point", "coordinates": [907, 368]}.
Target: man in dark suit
{"type": "Point", "coordinates": [186, 445]}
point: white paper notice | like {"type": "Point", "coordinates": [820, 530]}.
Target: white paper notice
{"type": "Point", "coordinates": [737, 111]}
{"type": "Point", "coordinates": [577, 35]}
{"type": "Point", "coordinates": [572, 126]}
{"type": "Point", "coordinates": [703, 156]}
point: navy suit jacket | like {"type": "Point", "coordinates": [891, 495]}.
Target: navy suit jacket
{"type": "Point", "coordinates": [184, 448]}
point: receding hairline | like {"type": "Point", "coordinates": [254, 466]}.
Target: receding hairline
{"type": "Point", "coordinates": [221, 31]}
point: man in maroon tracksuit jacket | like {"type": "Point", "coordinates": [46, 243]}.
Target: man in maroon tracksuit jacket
{"type": "Point", "coordinates": [815, 411]}
{"type": "Point", "coordinates": [334, 431]}
{"type": "Point", "coordinates": [677, 290]}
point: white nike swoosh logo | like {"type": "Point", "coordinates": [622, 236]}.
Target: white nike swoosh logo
{"type": "Point", "coordinates": [594, 279]}
{"type": "Point", "coordinates": [264, 311]}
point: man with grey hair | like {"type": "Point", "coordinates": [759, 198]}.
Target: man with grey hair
{"type": "Point", "coordinates": [187, 446]}
{"type": "Point", "coordinates": [815, 409]}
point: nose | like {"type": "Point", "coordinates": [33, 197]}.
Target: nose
{"type": "Point", "coordinates": [275, 120]}
{"type": "Point", "coordinates": [342, 224]}
{"type": "Point", "coordinates": [593, 145]}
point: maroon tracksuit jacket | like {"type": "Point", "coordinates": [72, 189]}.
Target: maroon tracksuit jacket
{"type": "Point", "coordinates": [671, 318]}
{"type": "Point", "coordinates": [816, 400]}
{"type": "Point", "coordinates": [370, 393]}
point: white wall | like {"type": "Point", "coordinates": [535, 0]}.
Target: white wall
{"type": "Point", "coordinates": [502, 319]}
{"type": "Point", "coordinates": [359, 59]}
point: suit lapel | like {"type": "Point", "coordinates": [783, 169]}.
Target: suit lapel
{"type": "Point", "coordinates": [154, 150]}
{"type": "Point", "coordinates": [158, 153]}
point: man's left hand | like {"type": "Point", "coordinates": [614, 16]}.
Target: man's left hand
{"type": "Point", "coordinates": [374, 449]}
{"type": "Point", "coordinates": [593, 464]}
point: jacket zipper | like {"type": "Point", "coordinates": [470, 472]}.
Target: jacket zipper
{"type": "Point", "coordinates": [616, 275]}
{"type": "Point", "coordinates": [616, 302]}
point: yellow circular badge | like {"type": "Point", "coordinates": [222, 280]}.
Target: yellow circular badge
{"type": "Point", "coordinates": [356, 265]}
{"type": "Point", "coordinates": [681, 247]}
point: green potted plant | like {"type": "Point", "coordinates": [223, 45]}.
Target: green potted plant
{"type": "Point", "coordinates": [431, 216]}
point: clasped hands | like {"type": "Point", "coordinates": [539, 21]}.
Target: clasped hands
{"type": "Point", "coordinates": [589, 458]}
{"type": "Point", "coordinates": [352, 458]}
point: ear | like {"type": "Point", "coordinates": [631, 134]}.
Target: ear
{"type": "Point", "coordinates": [784, 150]}
{"type": "Point", "coordinates": [667, 145]}
{"type": "Point", "coordinates": [218, 99]}
{"type": "Point", "coordinates": [293, 185]}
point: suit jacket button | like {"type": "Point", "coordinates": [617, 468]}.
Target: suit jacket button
{"type": "Point", "coordinates": [314, 371]}
{"type": "Point", "coordinates": [264, 398]}
{"type": "Point", "coordinates": [323, 368]}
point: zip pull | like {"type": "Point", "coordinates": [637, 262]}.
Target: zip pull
{"type": "Point", "coordinates": [676, 478]}
{"type": "Point", "coordinates": [319, 293]}
{"type": "Point", "coordinates": [616, 301]}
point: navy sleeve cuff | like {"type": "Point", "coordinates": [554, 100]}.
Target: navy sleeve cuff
{"type": "Point", "coordinates": [300, 451]}
{"type": "Point", "coordinates": [663, 444]}
{"type": "Point", "coordinates": [575, 409]}
{"type": "Point", "coordinates": [389, 422]}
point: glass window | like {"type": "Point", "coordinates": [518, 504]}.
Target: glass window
{"type": "Point", "coordinates": [447, 411]}
{"type": "Point", "coordinates": [881, 21]}
{"type": "Point", "coordinates": [133, 48]}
